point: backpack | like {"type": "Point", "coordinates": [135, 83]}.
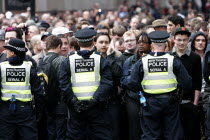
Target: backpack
{"type": "Point", "coordinates": [45, 72]}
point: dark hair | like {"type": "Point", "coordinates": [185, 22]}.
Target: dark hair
{"type": "Point", "coordinates": [18, 31]}
{"type": "Point", "coordinates": [79, 25]}
{"type": "Point", "coordinates": [141, 26]}
{"type": "Point", "coordinates": [144, 36]}
{"type": "Point", "coordinates": [20, 54]}
{"type": "Point", "coordinates": [118, 30]}
{"type": "Point", "coordinates": [53, 42]}
{"type": "Point", "coordinates": [100, 34]}
{"type": "Point", "coordinates": [73, 43]}
{"type": "Point", "coordinates": [85, 44]}
{"type": "Point", "coordinates": [195, 12]}
{"type": "Point", "coordinates": [101, 26]}
{"type": "Point", "coordinates": [176, 20]}
{"type": "Point", "coordinates": [202, 25]}
{"type": "Point", "coordinates": [4, 24]}
{"type": "Point", "coordinates": [63, 36]}
{"type": "Point", "coordinates": [180, 33]}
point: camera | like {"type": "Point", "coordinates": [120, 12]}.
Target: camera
{"type": "Point", "coordinates": [25, 29]}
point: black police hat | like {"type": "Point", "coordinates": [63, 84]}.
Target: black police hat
{"type": "Point", "coordinates": [16, 45]}
{"type": "Point", "coordinates": [85, 35]}
{"type": "Point", "coordinates": [182, 30]}
{"type": "Point", "coordinates": [158, 36]}
{"type": "Point", "coordinates": [43, 25]}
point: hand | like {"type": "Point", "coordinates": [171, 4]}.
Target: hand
{"type": "Point", "coordinates": [109, 50]}
{"type": "Point", "coordinates": [92, 102]}
{"type": "Point", "coordinates": [39, 116]}
{"type": "Point", "coordinates": [21, 25]}
{"type": "Point", "coordinates": [195, 103]}
{"type": "Point", "coordinates": [77, 106]}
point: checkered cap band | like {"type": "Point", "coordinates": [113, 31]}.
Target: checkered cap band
{"type": "Point", "coordinates": [17, 48]}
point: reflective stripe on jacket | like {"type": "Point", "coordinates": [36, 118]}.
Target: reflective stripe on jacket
{"type": "Point", "coordinates": [85, 75]}
{"type": "Point", "coordinates": [15, 80]}
{"type": "Point", "coordinates": [158, 74]}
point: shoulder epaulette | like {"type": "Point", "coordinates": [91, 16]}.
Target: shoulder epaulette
{"type": "Point", "coordinates": [144, 55]}
{"type": "Point", "coordinates": [71, 53]}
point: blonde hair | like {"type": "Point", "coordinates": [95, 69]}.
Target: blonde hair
{"type": "Point", "coordinates": [129, 33]}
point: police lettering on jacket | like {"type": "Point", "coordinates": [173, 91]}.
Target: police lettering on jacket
{"type": "Point", "coordinates": [158, 65]}
{"type": "Point", "coordinates": [15, 74]}
{"type": "Point", "coordinates": [84, 65]}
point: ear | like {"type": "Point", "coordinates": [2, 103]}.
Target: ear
{"type": "Point", "coordinates": [152, 48]}
{"type": "Point", "coordinates": [12, 53]}
{"type": "Point", "coordinates": [173, 37]}
{"type": "Point", "coordinates": [93, 43]}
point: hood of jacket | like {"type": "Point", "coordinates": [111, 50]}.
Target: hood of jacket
{"type": "Point", "coordinates": [193, 40]}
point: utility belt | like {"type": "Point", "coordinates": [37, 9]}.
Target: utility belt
{"type": "Point", "coordinates": [161, 95]}
{"type": "Point", "coordinates": [18, 103]}
{"type": "Point", "coordinates": [13, 106]}
{"type": "Point", "coordinates": [165, 95]}
{"type": "Point", "coordinates": [173, 96]}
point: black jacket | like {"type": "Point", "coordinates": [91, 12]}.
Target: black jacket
{"type": "Point", "coordinates": [127, 69]}
{"type": "Point", "coordinates": [206, 65]}
{"type": "Point", "coordinates": [53, 96]}
{"type": "Point", "coordinates": [104, 88]}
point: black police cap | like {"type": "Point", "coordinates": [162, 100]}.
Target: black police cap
{"type": "Point", "coordinates": [182, 30]}
{"type": "Point", "coordinates": [16, 45]}
{"type": "Point", "coordinates": [158, 36]}
{"type": "Point", "coordinates": [85, 35]}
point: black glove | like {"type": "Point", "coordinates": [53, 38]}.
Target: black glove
{"type": "Point", "coordinates": [92, 102]}
{"type": "Point", "coordinates": [75, 103]}
{"type": "Point", "coordinates": [77, 106]}
{"type": "Point", "coordinates": [174, 98]}
{"type": "Point", "coordinates": [39, 116]}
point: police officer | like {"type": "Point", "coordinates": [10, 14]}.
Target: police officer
{"type": "Point", "coordinates": [157, 75]}
{"type": "Point", "coordinates": [19, 84]}
{"type": "Point", "coordinates": [85, 81]}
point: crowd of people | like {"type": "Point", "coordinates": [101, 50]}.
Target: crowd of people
{"type": "Point", "coordinates": [77, 75]}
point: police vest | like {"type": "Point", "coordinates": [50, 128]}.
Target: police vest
{"type": "Point", "coordinates": [85, 75]}
{"type": "Point", "coordinates": [158, 74]}
{"type": "Point", "coordinates": [15, 80]}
